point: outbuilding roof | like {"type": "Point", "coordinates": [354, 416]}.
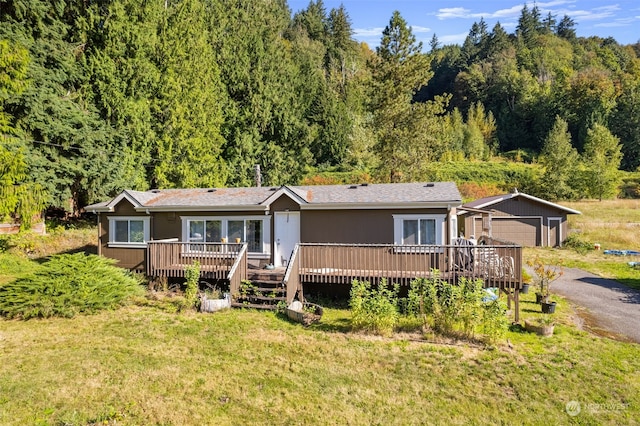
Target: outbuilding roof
{"type": "Point", "coordinates": [436, 194]}
{"type": "Point", "coordinates": [484, 203]}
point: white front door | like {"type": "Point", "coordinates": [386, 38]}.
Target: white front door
{"type": "Point", "coordinates": [287, 235]}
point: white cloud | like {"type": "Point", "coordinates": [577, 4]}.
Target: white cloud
{"type": "Point", "coordinates": [453, 38]}
{"type": "Point", "coordinates": [453, 12]}
{"type": "Point", "coordinates": [418, 29]}
{"type": "Point", "coordinates": [368, 32]}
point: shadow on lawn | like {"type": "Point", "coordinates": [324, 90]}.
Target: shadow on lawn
{"type": "Point", "coordinates": [86, 249]}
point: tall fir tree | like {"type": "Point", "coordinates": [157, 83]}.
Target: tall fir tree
{"type": "Point", "coordinates": [602, 157]}
{"type": "Point", "coordinates": [561, 164]}
{"type": "Point", "coordinates": [399, 70]}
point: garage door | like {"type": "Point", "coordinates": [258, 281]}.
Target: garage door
{"type": "Point", "coordinates": [523, 231]}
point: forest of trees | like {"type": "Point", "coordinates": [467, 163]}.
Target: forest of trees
{"type": "Point", "coordinates": [104, 95]}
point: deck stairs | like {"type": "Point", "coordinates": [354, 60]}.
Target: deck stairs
{"type": "Point", "coordinates": [262, 290]}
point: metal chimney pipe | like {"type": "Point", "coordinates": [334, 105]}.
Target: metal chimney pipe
{"type": "Point", "coordinates": [258, 175]}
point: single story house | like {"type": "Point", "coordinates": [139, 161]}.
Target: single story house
{"type": "Point", "coordinates": [272, 220]}
{"type": "Point", "coordinates": [326, 236]}
{"type": "Point", "coordinates": [516, 217]}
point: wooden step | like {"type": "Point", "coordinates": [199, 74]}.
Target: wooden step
{"type": "Point", "coordinates": [265, 276]}
{"type": "Point", "coordinates": [270, 289]}
{"type": "Point", "coordinates": [266, 283]}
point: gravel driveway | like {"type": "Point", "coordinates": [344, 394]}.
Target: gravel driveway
{"type": "Point", "coordinates": [611, 306]}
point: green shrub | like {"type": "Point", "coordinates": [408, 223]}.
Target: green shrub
{"type": "Point", "coordinates": [192, 274]}
{"type": "Point", "coordinates": [578, 243]}
{"type": "Point", "coordinates": [374, 309]}
{"type": "Point", "coordinates": [67, 285]}
{"type": "Point", "coordinates": [494, 322]}
{"type": "Point", "coordinates": [456, 309]}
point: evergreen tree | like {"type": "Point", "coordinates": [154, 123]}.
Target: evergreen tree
{"type": "Point", "coordinates": [529, 25]}
{"type": "Point", "coordinates": [398, 72]}
{"type": "Point", "coordinates": [498, 40]}
{"type": "Point", "coordinates": [625, 122]}
{"type": "Point", "coordinates": [566, 28]}
{"type": "Point", "coordinates": [560, 161]}
{"type": "Point", "coordinates": [602, 157]}
{"type": "Point", "coordinates": [73, 152]}
{"type": "Point", "coordinates": [20, 198]}
{"type": "Point", "coordinates": [434, 43]}
{"type": "Point", "coordinates": [188, 109]}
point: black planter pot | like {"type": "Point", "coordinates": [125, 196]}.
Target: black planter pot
{"type": "Point", "coordinates": [548, 307]}
{"type": "Point", "coordinates": [524, 289]}
{"type": "Point", "coordinates": [542, 298]}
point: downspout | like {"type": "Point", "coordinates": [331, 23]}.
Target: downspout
{"type": "Point", "coordinates": [99, 234]}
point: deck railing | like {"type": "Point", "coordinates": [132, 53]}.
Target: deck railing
{"type": "Point", "coordinates": [497, 265]}
{"type": "Point", "coordinates": [291, 279]}
{"type": "Point", "coordinates": [169, 258]}
{"type": "Point", "coordinates": [238, 270]}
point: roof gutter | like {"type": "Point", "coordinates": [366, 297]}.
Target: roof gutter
{"type": "Point", "coordinates": [253, 207]}
{"type": "Point", "coordinates": [377, 206]}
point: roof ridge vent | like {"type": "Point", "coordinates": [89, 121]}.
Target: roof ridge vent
{"type": "Point", "coordinates": [273, 189]}
{"type": "Point", "coordinates": [364, 184]}
{"type": "Point", "coordinates": [430, 185]}
{"type": "Point", "coordinates": [353, 187]}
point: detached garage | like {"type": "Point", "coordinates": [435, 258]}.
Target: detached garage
{"type": "Point", "coordinates": [519, 218]}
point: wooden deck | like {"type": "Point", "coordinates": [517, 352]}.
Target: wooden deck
{"type": "Point", "coordinates": [498, 265]}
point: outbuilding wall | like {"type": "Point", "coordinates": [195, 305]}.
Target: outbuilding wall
{"type": "Point", "coordinates": [522, 221]}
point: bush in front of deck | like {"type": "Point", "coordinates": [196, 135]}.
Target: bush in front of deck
{"type": "Point", "coordinates": [460, 309]}
{"type": "Point", "coordinates": [374, 308]}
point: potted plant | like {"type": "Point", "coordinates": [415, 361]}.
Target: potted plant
{"type": "Point", "coordinates": [542, 326]}
{"type": "Point", "coordinates": [548, 307]}
{"type": "Point", "coordinates": [526, 281]}
{"type": "Point", "coordinates": [544, 275]}
{"type": "Point", "coordinates": [305, 313]}
{"type": "Point", "coordinates": [213, 299]}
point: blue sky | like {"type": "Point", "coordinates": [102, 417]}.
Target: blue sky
{"type": "Point", "coordinates": [451, 20]}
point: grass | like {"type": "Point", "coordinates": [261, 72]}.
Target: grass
{"type": "Point", "coordinates": [614, 224]}
{"type": "Point", "coordinates": [141, 365]}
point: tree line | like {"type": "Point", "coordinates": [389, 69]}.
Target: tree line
{"type": "Point", "coordinates": [111, 94]}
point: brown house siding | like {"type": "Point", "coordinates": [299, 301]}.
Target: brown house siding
{"type": "Point", "coordinates": [353, 226]}
{"type": "Point", "coordinates": [130, 258]}
{"type": "Point", "coordinates": [283, 203]}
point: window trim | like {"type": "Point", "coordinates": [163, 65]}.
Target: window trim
{"type": "Point", "coordinates": [146, 229]}
{"type": "Point", "coordinates": [224, 229]}
{"type": "Point", "coordinates": [398, 222]}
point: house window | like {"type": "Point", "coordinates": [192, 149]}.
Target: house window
{"type": "Point", "coordinates": [205, 231]}
{"type": "Point", "coordinates": [418, 229]}
{"type": "Point", "coordinates": [129, 232]}
{"type": "Point", "coordinates": [252, 230]}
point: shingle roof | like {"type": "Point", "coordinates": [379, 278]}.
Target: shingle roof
{"type": "Point", "coordinates": [330, 195]}
{"type": "Point", "coordinates": [482, 203]}
{"type": "Point", "coordinates": [389, 193]}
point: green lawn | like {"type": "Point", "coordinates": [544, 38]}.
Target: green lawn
{"type": "Point", "coordinates": [142, 365]}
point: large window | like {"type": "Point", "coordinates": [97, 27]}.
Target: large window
{"type": "Point", "coordinates": [418, 229]}
{"type": "Point", "coordinates": [131, 231]}
{"type": "Point", "coordinates": [252, 230]}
